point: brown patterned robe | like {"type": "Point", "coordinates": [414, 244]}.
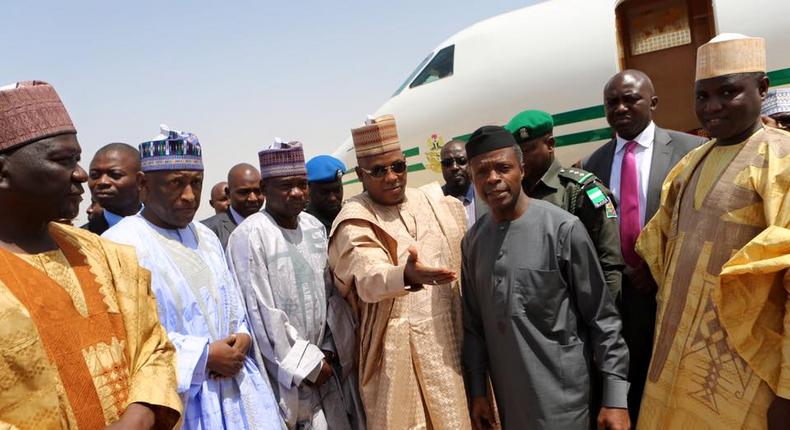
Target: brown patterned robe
{"type": "Point", "coordinates": [409, 341]}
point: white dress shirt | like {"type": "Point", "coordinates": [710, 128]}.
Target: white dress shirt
{"type": "Point", "coordinates": [643, 153]}
{"type": "Point", "coordinates": [469, 205]}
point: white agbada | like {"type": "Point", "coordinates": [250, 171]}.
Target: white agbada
{"type": "Point", "coordinates": [198, 303]}
{"type": "Point", "coordinates": [295, 314]}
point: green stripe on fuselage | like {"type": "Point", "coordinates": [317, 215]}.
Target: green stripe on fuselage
{"type": "Point", "coordinates": [777, 77]}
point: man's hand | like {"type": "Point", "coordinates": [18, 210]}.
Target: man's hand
{"type": "Point", "coordinates": [136, 417]}
{"type": "Point", "coordinates": [325, 373]}
{"type": "Point", "coordinates": [769, 122]}
{"type": "Point", "coordinates": [482, 417]}
{"type": "Point", "coordinates": [417, 273]}
{"type": "Point", "coordinates": [243, 342]}
{"type": "Point", "coordinates": [641, 279]}
{"type": "Point", "coordinates": [223, 358]}
{"type": "Point", "coordinates": [779, 414]}
{"type": "Point", "coordinates": [613, 419]}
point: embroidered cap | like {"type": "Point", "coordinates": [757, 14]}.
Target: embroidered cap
{"type": "Point", "coordinates": [730, 53]}
{"type": "Point", "coordinates": [377, 136]}
{"type": "Point", "coordinates": [171, 150]}
{"type": "Point", "coordinates": [31, 111]}
{"type": "Point", "coordinates": [777, 101]}
{"type": "Point", "coordinates": [282, 159]}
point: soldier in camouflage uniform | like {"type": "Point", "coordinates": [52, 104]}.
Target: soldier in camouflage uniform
{"type": "Point", "coordinates": [578, 192]}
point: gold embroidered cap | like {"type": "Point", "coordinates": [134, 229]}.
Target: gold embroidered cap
{"type": "Point", "coordinates": [377, 136]}
{"type": "Point", "coordinates": [730, 53]}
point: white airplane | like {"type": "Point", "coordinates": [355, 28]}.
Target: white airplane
{"type": "Point", "coordinates": [556, 56]}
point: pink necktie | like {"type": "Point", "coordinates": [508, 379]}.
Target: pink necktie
{"type": "Point", "coordinates": [629, 206]}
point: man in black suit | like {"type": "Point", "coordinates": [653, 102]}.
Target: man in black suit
{"type": "Point", "coordinates": [114, 179]}
{"type": "Point", "coordinates": [633, 165]}
{"type": "Point", "coordinates": [457, 182]}
{"type": "Point", "coordinates": [246, 198]}
{"type": "Point", "coordinates": [218, 199]}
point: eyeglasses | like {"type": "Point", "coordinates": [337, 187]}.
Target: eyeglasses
{"type": "Point", "coordinates": [448, 162]}
{"type": "Point", "coordinates": [397, 167]}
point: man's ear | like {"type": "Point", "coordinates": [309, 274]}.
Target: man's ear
{"type": "Point", "coordinates": [139, 178]}
{"type": "Point", "coordinates": [763, 85]}
{"type": "Point", "coordinates": [359, 173]}
{"type": "Point", "coordinates": [550, 142]}
{"type": "Point", "coordinates": [653, 103]}
{"type": "Point", "coordinates": [227, 192]}
{"type": "Point", "coordinates": [142, 185]}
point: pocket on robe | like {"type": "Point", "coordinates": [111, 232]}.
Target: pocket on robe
{"type": "Point", "coordinates": [538, 294]}
{"type": "Point", "coordinates": [575, 376]}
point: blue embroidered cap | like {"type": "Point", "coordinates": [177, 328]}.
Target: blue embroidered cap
{"type": "Point", "coordinates": [776, 101]}
{"type": "Point", "coordinates": [171, 150]}
{"type": "Point", "coordinates": [325, 168]}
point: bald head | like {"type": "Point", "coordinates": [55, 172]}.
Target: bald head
{"type": "Point", "coordinates": [244, 189]}
{"type": "Point", "coordinates": [219, 200]}
{"type": "Point", "coordinates": [634, 76]}
{"type": "Point", "coordinates": [629, 100]}
{"type": "Point", "coordinates": [241, 173]}
{"type": "Point", "coordinates": [453, 146]}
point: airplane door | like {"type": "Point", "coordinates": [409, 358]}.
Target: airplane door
{"type": "Point", "coordinates": [660, 38]}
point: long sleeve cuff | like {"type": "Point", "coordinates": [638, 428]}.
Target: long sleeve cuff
{"type": "Point", "coordinates": [191, 359]}
{"type": "Point", "coordinates": [477, 385]}
{"type": "Point", "coordinates": [301, 361]}
{"type": "Point", "coordinates": [615, 393]}
{"type": "Point", "coordinates": [396, 283]}
{"type": "Point", "coordinates": [371, 290]}
{"type": "Point", "coordinates": [312, 376]}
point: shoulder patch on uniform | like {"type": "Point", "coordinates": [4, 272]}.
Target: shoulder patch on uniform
{"type": "Point", "coordinates": [610, 211]}
{"type": "Point", "coordinates": [596, 196]}
{"type": "Point", "coordinates": [581, 177]}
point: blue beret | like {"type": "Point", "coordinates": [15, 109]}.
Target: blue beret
{"type": "Point", "coordinates": [324, 168]}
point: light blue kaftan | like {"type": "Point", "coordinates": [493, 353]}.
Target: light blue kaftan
{"type": "Point", "coordinates": [199, 303]}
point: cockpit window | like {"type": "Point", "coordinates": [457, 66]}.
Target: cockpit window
{"type": "Point", "coordinates": [413, 74]}
{"type": "Point", "coordinates": [440, 67]}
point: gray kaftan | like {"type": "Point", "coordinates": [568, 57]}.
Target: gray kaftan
{"type": "Point", "coordinates": [536, 309]}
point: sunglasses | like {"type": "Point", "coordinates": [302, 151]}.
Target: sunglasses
{"type": "Point", "coordinates": [448, 162]}
{"type": "Point", "coordinates": [397, 167]}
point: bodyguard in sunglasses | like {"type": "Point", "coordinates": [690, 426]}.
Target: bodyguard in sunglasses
{"type": "Point", "coordinates": [579, 192]}
{"type": "Point", "coordinates": [456, 180]}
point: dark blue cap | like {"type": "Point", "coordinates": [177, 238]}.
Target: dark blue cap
{"type": "Point", "coordinates": [324, 168]}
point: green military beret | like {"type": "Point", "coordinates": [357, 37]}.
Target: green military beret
{"type": "Point", "coordinates": [530, 124]}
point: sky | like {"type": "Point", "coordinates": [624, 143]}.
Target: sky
{"type": "Point", "coordinates": [236, 73]}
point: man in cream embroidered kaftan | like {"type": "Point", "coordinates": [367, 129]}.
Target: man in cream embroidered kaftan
{"type": "Point", "coordinates": [410, 339]}
{"type": "Point", "coordinates": [395, 253]}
